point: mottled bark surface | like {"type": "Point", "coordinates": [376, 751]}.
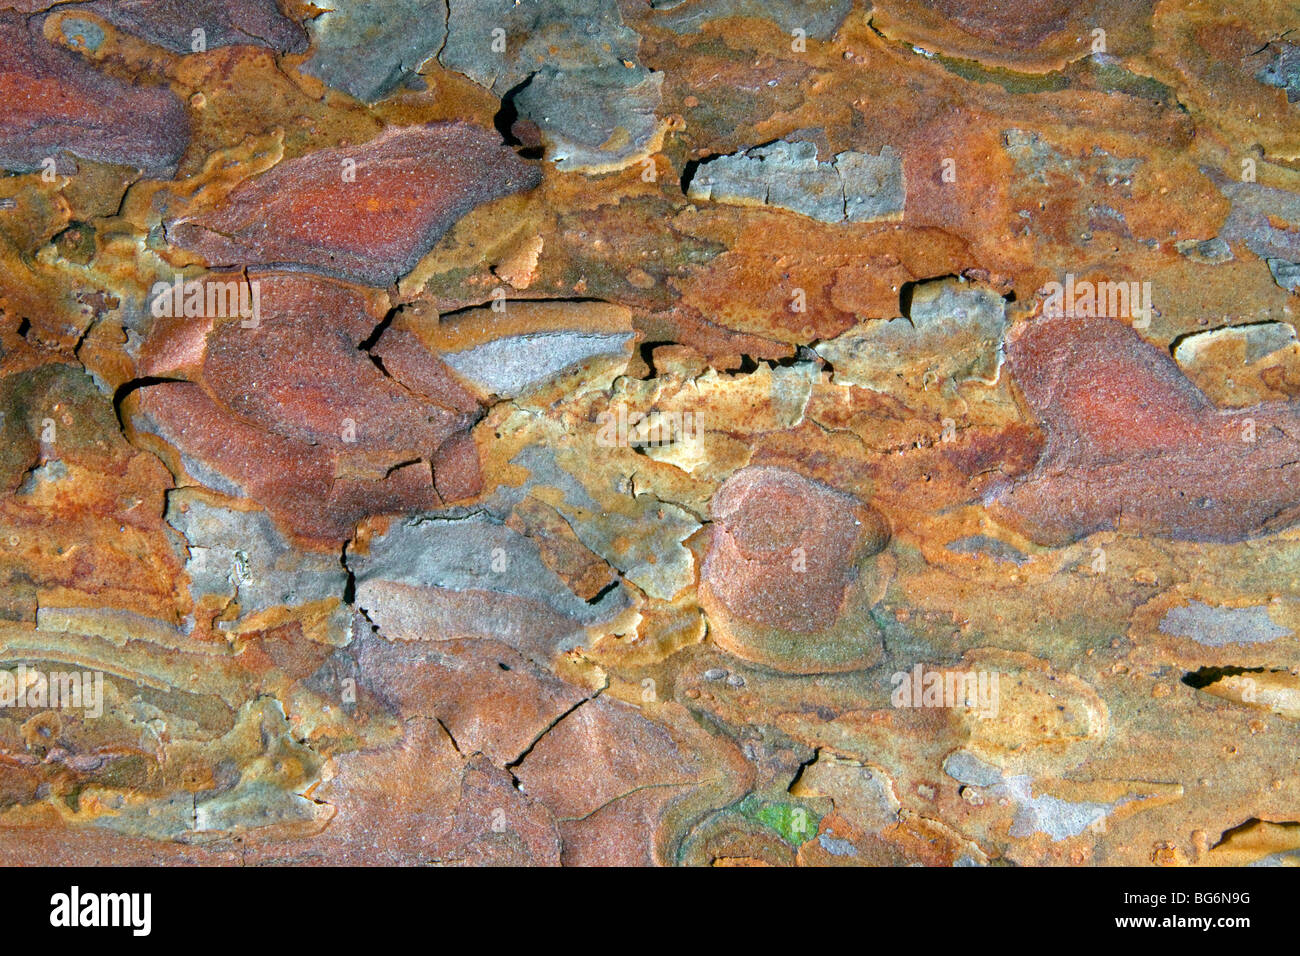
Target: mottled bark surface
{"type": "Point", "coordinates": [698, 432]}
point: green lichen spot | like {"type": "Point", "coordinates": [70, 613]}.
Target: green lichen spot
{"type": "Point", "coordinates": [794, 823]}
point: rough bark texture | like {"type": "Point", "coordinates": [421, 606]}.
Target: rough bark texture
{"type": "Point", "coordinates": [699, 432]}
